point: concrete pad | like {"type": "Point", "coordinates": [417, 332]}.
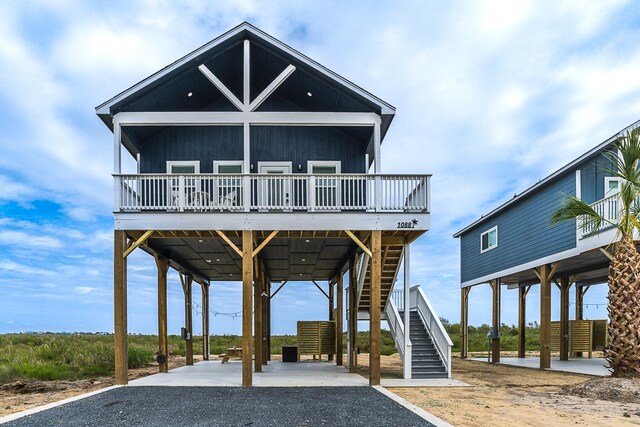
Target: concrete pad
{"type": "Point", "coordinates": [422, 382]}
{"type": "Point", "coordinates": [595, 366]}
{"type": "Point", "coordinates": [212, 373]}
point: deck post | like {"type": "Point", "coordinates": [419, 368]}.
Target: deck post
{"type": "Point", "coordinates": [187, 283]}
{"type": "Point", "coordinates": [247, 306]}
{"type": "Point", "coordinates": [408, 356]}
{"type": "Point", "coordinates": [264, 299]}
{"type": "Point", "coordinates": [522, 320]}
{"type": "Point", "coordinates": [565, 286]}
{"type": "Point", "coordinates": [374, 308]}
{"type": "Point", "coordinates": [120, 306]}
{"type": "Point", "coordinates": [339, 304]}
{"type": "Point", "coordinates": [545, 316]}
{"type": "Point", "coordinates": [464, 321]}
{"type": "Point", "coordinates": [579, 310]}
{"type": "Point", "coordinates": [331, 298]}
{"type": "Point", "coordinates": [163, 341]}
{"type": "Point", "coordinates": [495, 337]}
{"type": "Point", "coordinates": [268, 284]}
{"type": "Point", "coordinates": [205, 321]}
{"type": "Point", "coordinates": [353, 317]}
{"type": "Point", "coordinates": [257, 321]}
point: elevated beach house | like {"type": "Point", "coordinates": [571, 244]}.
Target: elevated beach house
{"type": "Point", "coordinates": [257, 164]}
{"type": "Point", "coordinates": [516, 246]}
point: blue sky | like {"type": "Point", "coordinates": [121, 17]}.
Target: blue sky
{"type": "Point", "coordinates": [491, 97]}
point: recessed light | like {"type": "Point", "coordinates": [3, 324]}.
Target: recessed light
{"type": "Point", "coordinates": [208, 260]}
{"type": "Point", "coordinates": [306, 240]}
{"type": "Point", "coordinates": [200, 240]}
{"type": "Point", "coordinates": [230, 274]}
{"type": "Point", "coordinates": [190, 94]}
{"type": "Point", "coordinates": [300, 274]}
{"type": "Point", "coordinates": [309, 94]}
{"type": "Point", "coordinates": [217, 259]}
{"type": "Point", "coordinates": [303, 260]}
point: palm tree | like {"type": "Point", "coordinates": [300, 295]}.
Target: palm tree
{"type": "Point", "coordinates": [623, 354]}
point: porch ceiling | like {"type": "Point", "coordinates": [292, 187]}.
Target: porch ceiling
{"type": "Point", "coordinates": [591, 267]}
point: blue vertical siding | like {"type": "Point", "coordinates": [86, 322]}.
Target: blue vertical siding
{"type": "Point", "coordinates": [592, 174]}
{"type": "Point", "coordinates": [525, 232]}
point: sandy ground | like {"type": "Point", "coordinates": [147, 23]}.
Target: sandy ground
{"type": "Point", "coordinates": [499, 396]}
{"type": "Point", "coordinates": [505, 395]}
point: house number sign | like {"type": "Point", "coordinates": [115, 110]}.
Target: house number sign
{"type": "Point", "coordinates": [408, 224]}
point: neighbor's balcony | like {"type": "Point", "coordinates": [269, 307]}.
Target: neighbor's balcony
{"type": "Point", "coordinates": [608, 208]}
{"type": "Point", "coordinates": [271, 192]}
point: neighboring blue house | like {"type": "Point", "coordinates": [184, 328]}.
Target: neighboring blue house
{"type": "Point", "coordinates": [516, 245]}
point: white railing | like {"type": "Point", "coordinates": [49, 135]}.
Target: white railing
{"type": "Point", "coordinates": [269, 192]}
{"type": "Point", "coordinates": [608, 208]}
{"type": "Point", "coordinates": [397, 296]}
{"type": "Point", "coordinates": [361, 274]}
{"type": "Point", "coordinates": [397, 331]}
{"type": "Point", "coordinates": [438, 334]}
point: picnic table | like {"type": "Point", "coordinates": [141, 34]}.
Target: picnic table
{"type": "Point", "coordinates": [234, 352]}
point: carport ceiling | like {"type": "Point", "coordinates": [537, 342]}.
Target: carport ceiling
{"type": "Point", "coordinates": [283, 258]}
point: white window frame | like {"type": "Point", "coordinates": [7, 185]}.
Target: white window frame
{"type": "Point", "coordinates": [179, 195]}
{"type": "Point", "coordinates": [217, 163]}
{"type": "Point", "coordinates": [336, 163]}
{"type": "Point", "coordinates": [492, 229]}
{"type": "Point", "coordinates": [607, 180]}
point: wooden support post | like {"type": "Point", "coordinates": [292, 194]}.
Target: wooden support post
{"type": "Point", "coordinates": [374, 308]}
{"type": "Point", "coordinates": [163, 341]}
{"type": "Point", "coordinates": [205, 321]}
{"type": "Point", "coordinates": [495, 339]}
{"type": "Point", "coordinates": [353, 317]}
{"type": "Point", "coordinates": [339, 303]}
{"type": "Point", "coordinates": [268, 283]}
{"type": "Point", "coordinates": [464, 322]}
{"type": "Point", "coordinates": [247, 306]}
{"type": "Point", "coordinates": [120, 306]}
{"type": "Point", "coordinates": [257, 321]}
{"type": "Point", "coordinates": [565, 286]}
{"type": "Point", "coordinates": [331, 298]}
{"type": "Point", "coordinates": [545, 316]}
{"type": "Point", "coordinates": [522, 320]}
{"type": "Point", "coordinates": [579, 310]}
{"type": "Point", "coordinates": [188, 318]}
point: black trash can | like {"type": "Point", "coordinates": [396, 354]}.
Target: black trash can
{"type": "Point", "coordinates": [289, 353]}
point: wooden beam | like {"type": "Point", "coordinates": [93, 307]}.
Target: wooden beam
{"type": "Point", "coordinates": [565, 286]}
{"type": "Point", "coordinates": [221, 86]}
{"type": "Point", "coordinates": [137, 243]}
{"type": "Point", "coordinates": [205, 321]}
{"type": "Point", "coordinates": [353, 316]}
{"type": "Point", "coordinates": [257, 320]}
{"type": "Point", "coordinates": [261, 246]}
{"type": "Point", "coordinates": [230, 243]}
{"type": "Point", "coordinates": [545, 316]}
{"type": "Point", "coordinates": [120, 306]}
{"type": "Point", "coordinates": [374, 309]}
{"type": "Point", "coordinates": [268, 283]}
{"type": "Point", "coordinates": [265, 300]}
{"type": "Point", "coordinates": [495, 341]}
{"type": "Point", "coordinates": [163, 341]}
{"type": "Point", "coordinates": [272, 87]}
{"type": "Point", "coordinates": [278, 290]}
{"type": "Point", "coordinates": [321, 290]}
{"type": "Point", "coordinates": [522, 320]}
{"type": "Point", "coordinates": [358, 242]}
{"type": "Point", "coordinates": [339, 303]}
{"type": "Point", "coordinates": [187, 282]}
{"type": "Point", "coordinates": [331, 301]}
{"type": "Point", "coordinates": [247, 306]}
{"type": "Point", "coordinates": [464, 322]}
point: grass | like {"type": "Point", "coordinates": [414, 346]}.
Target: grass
{"type": "Point", "coordinates": [67, 357]}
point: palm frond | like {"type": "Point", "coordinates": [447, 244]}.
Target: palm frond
{"type": "Point", "coordinates": [573, 207]}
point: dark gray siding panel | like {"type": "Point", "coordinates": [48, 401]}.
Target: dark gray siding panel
{"type": "Point", "coordinates": [592, 174]}
{"type": "Point", "coordinates": [204, 143]}
{"type": "Point", "coordinates": [524, 232]}
{"type": "Point", "coordinates": [299, 144]}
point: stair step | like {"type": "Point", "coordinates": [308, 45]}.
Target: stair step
{"type": "Point", "coordinates": [422, 375]}
{"type": "Point", "coordinates": [426, 364]}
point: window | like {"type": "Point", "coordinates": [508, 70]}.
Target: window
{"type": "Point", "coordinates": [327, 190]}
{"type": "Point", "coordinates": [227, 191]}
{"type": "Point", "coordinates": [183, 189]}
{"type": "Point", "coordinates": [611, 186]}
{"type": "Point", "coordinates": [227, 166]}
{"type": "Point", "coordinates": [489, 239]}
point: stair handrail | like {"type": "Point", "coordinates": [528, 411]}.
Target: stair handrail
{"type": "Point", "coordinates": [362, 274]}
{"type": "Point", "coordinates": [396, 325]}
{"type": "Point", "coordinates": [441, 340]}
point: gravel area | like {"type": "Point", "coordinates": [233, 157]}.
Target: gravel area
{"type": "Point", "coordinates": [229, 406]}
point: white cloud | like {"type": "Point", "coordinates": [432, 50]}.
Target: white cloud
{"type": "Point", "coordinates": [8, 237]}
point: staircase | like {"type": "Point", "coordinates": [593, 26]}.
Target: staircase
{"type": "Point", "coordinates": [425, 360]}
{"type": "Point", "coordinates": [391, 256]}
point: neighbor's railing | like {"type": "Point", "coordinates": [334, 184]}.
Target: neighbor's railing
{"type": "Point", "coordinates": [270, 192]}
{"type": "Point", "coordinates": [608, 208]}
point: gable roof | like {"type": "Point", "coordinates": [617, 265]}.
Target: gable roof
{"type": "Point", "coordinates": [240, 32]}
{"type": "Point", "coordinates": [600, 147]}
